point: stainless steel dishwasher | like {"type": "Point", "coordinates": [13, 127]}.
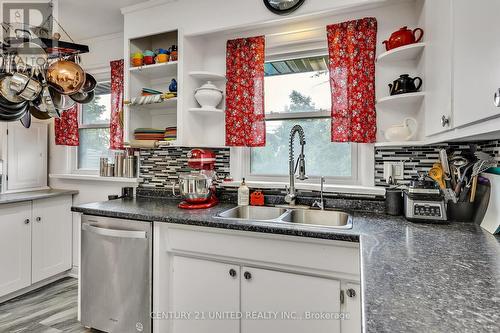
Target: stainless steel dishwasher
{"type": "Point", "coordinates": [116, 280]}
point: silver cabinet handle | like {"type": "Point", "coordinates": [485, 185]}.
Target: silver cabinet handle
{"type": "Point", "coordinates": [38, 219]}
{"type": "Point", "coordinates": [113, 232]}
{"type": "Point", "coordinates": [27, 221]}
{"type": "Point", "coordinates": [445, 121]}
{"type": "Point", "coordinates": [496, 98]}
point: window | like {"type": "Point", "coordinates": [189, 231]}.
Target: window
{"type": "Point", "coordinates": [297, 91]}
{"type": "Point", "coordinates": [94, 128]}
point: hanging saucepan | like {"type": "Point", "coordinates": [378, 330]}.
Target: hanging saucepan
{"type": "Point", "coordinates": [27, 88]}
{"type": "Point", "coordinates": [26, 119]}
{"type": "Point", "coordinates": [83, 97]}
{"type": "Point", "coordinates": [44, 102]}
{"type": "Point", "coordinates": [66, 77]}
{"type": "Point", "coordinates": [5, 78]}
{"type": "Point", "coordinates": [9, 115]}
{"type": "Point", "coordinates": [90, 83]}
{"type": "Point", "coordinates": [61, 102]}
{"type": "Point", "coordinates": [39, 114]}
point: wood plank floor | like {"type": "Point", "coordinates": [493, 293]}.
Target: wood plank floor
{"type": "Point", "coordinates": [50, 309]}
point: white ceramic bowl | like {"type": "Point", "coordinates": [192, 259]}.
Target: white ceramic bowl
{"type": "Point", "coordinates": [208, 96]}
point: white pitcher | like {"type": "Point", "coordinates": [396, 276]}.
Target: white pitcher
{"type": "Point", "coordinates": [403, 132]}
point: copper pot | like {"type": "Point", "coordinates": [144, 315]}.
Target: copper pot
{"type": "Point", "coordinates": [66, 77]}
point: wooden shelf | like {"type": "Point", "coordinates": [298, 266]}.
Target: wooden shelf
{"type": "Point", "coordinates": [206, 111]}
{"type": "Point", "coordinates": [164, 70]}
{"type": "Point", "coordinates": [207, 76]}
{"type": "Point", "coordinates": [401, 101]}
{"type": "Point", "coordinates": [401, 144]}
{"type": "Point", "coordinates": [403, 53]}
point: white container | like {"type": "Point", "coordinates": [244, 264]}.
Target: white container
{"type": "Point", "coordinates": [208, 96]}
{"type": "Point", "coordinates": [243, 194]}
{"type": "Point", "coordinates": [402, 132]}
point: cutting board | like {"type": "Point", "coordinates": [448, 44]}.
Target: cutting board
{"type": "Point", "coordinates": [491, 221]}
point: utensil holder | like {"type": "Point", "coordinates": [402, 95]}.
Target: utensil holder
{"type": "Point", "coordinates": [461, 211]}
{"type": "Point", "coordinates": [394, 202]}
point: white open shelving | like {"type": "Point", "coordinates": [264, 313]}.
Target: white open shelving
{"type": "Point", "coordinates": [207, 76]}
{"type": "Point", "coordinates": [403, 53]}
{"type": "Point", "coordinates": [401, 101]}
{"type": "Point", "coordinates": [156, 71]}
{"type": "Point", "coordinates": [167, 104]}
{"type": "Point", "coordinates": [206, 111]}
{"type": "Point", "coordinates": [400, 144]}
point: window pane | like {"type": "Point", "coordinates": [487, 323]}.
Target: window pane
{"type": "Point", "coordinates": [323, 158]}
{"type": "Point", "coordinates": [99, 110]}
{"type": "Point", "coordinates": [309, 91]}
{"type": "Point", "coordinates": [94, 144]}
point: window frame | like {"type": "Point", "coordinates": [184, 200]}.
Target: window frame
{"type": "Point", "coordinates": [74, 151]}
{"type": "Point", "coordinates": [241, 157]}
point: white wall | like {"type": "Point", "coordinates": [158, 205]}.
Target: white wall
{"type": "Point", "coordinates": [102, 50]}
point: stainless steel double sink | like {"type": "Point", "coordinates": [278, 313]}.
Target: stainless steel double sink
{"type": "Point", "coordinates": [311, 217]}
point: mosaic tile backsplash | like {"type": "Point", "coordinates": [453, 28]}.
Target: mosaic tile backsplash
{"type": "Point", "coordinates": [160, 167]}
{"type": "Point", "coordinates": [421, 158]}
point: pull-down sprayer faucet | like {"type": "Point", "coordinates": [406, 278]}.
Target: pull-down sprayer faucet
{"type": "Point", "coordinates": [301, 163]}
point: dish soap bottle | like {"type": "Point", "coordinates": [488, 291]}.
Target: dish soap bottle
{"type": "Point", "coordinates": [243, 194]}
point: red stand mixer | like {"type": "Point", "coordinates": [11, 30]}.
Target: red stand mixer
{"type": "Point", "coordinates": [196, 187]}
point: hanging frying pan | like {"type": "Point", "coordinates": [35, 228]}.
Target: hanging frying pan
{"type": "Point", "coordinates": [39, 114]}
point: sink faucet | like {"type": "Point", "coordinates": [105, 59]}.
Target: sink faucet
{"type": "Point", "coordinates": [292, 166]}
{"type": "Point", "coordinates": [320, 204]}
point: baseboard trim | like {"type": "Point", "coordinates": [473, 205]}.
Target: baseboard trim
{"type": "Point", "coordinates": [37, 285]}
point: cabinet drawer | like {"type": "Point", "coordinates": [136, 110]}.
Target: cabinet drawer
{"type": "Point", "coordinates": [332, 256]}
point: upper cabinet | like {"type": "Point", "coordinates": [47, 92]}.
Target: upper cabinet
{"type": "Point", "coordinates": [476, 60]}
{"type": "Point", "coordinates": [461, 67]}
{"type": "Point", "coordinates": [26, 156]}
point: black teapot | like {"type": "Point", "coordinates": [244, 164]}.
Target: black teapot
{"type": "Point", "coordinates": [405, 84]}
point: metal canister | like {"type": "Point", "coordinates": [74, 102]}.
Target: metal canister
{"type": "Point", "coordinates": [103, 162]}
{"type": "Point", "coordinates": [130, 167]}
{"type": "Point", "coordinates": [119, 158]}
{"type": "Point", "coordinates": [110, 169]}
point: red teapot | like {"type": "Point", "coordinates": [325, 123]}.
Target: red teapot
{"type": "Point", "coordinates": [403, 36]}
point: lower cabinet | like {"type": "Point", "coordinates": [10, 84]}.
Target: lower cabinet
{"type": "Point", "coordinates": [203, 288]}
{"type": "Point", "coordinates": [293, 303]}
{"type": "Point", "coordinates": [209, 280]}
{"type": "Point", "coordinates": [35, 241]}
{"type": "Point", "coordinates": [51, 237]}
{"type": "Point", "coordinates": [15, 247]}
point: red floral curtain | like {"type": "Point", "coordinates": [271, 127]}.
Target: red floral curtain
{"type": "Point", "coordinates": [66, 127]}
{"type": "Point", "coordinates": [116, 122]}
{"type": "Point", "coordinates": [351, 47]}
{"type": "Point", "coordinates": [245, 119]}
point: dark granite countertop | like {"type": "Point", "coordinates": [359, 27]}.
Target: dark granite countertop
{"type": "Point", "coordinates": [414, 277]}
{"type": "Point", "coordinates": [33, 195]}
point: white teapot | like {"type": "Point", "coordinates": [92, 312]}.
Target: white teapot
{"type": "Point", "coordinates": [403, 132]}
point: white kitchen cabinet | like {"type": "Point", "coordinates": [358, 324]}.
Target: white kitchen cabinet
{"type": "Point", "coordinates": [300, 297]}
{"type": "Point", "coordinates": [213, 272]}
{"type": "Point", "coordinates": [438, 67]}
{"type": "Point", "coordinates": [476, 64]}
{"type": "Point", "coordinates": [352, 308]}
{"type": "Point", "coordinates": [201, 289]}
{"type": "Point", "coordinates": [26, 156]}
{"type": "Point", "coordinates": [15, 247]}
{"type": "Point", "coordinates": [52, 234]}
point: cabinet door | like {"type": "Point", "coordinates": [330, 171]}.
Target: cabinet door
{"type": "Point", "coordinates": [15, 247]}
{"type": "Point", "coordinates": [352, 308]}
{"type": "Point", "coordinates": [202, 289]}
{"type": "Point", "coordinates": [52, 226]}
{"type": "Point", "coordinates": [27, 156]}
{"type": "Point", "coordinates": [438, 67]}
{"type": "Point", "coordinates": [476, 55]}
{"type": "Point", "coordinates": [295, 299]}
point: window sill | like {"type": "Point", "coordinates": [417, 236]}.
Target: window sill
{"type": "Point", "coordinates": [94, 178]}
{"type": "Point", "coordinates": [347, 189]}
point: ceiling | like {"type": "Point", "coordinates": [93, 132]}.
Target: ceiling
{"type": "Point", "coordinates": [84, 19]}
